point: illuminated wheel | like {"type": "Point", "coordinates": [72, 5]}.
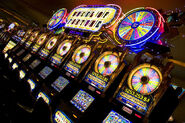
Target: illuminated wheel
{"type": "Point", "coordinates": [64, 47]}
{"type": "Point", "coordinates": [34, 35]}
{"type": "Point", "coordinates": [51, 43]}
{"type": "Point", "coordinates": [41, 39]}
{"type": "Point", "coordinates": [139, 25]}
{"type": "Point", "coordinates": [145, 79]}
{"type": "Point", "coordinates": [107, 63]}
{"type": "Point", "coordinates": [57, 19]}
{"type": "Point", "coordinates": [81, 54]}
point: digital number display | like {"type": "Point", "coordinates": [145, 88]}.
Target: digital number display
{"type": "Point", "coordinates": [9, 46]}
{"type": "Point", "coordinates": [44, 53]}
{"type": "Point", "coordinates": [61, 117]}
{"type": "Point", "coordinates": [97, 80]}
{"type": "Point", "coordinates": [60, 83]}
{"type": "Point", "coordinates": [34, 64]}
{"type": "Point", "coordinates": [134, 99]}
{"type": "Point", "coordinates": [44, 97]}
{"type": "Point", "coordinates": [82, 100]}
{"type": "Point", "coordinates": [56, 59]}
{"type": "Point", "coordinates": [72, 67]}
{"type": "Point", "coordinates": [114, 117]}
{"type": "Point", "coordinates": [45, 72]}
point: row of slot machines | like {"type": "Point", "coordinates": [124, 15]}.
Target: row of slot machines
{"type": "Point", "coordinates": [87, 75]}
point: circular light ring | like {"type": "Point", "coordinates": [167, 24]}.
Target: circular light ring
{"type": "Point", "coordinates": [64, 47]}
{"type": "Point", "coordinates": [81, 54]}
{"type": "Point", "coordinates": [145, 79]}
{"type": "Point", "coordinates": [107, 63]}
{"type": "Point", "coordinates": [33, 36]}
{"type": "Point", "coordinates": [138, 26]}
{"type": "Point", "coordinates": [51, 43]}
{"type": "Point", "coordinates": [41, 39]}
{"type": "Point", "coordinates": [57, 19]}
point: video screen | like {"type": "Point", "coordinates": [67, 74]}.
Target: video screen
{"type": "Point", "coordinates": [44, 97]}
{"type": "Point", "coordinates": [14, 66]}
{"type": "Point", "coordinates": [114, 117]}
{"type": "Point", "coordinates": [28, 56]}
{"type": "Point", "coordinates": [20, 52]}
{"type": "Point", "coordinates": [82, 100]}
{"type": "Point", "coordinates": [45, 72]}
{"type": "Point", "coordinates": [31, 83]}
{"type": "Point", "coordinates": [34, 64]}
{"type": "Point", "coordinates": [61, 117]}
{"type": "Point", "coordinates": [9, 46]}
{"type": "Point", "coordinates": [60, 83]}
{"type": "Point", "coordinates": [21, 74]}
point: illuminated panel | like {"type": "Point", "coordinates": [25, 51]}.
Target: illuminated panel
{"type": "Point", "coordinates": [145, 79]}
{"type": "Point", "coordinates": [11, 26]}
{"type": "Point", "coordinates": [107, 63]}
{"type": "Point", "coordinates": [28, 56]}
{"type": "Point", "coordinates": [32, 84]}
{"type": "Point", "coordinates": [10, 60]}
{"type": "Point", "coordinates": [20, 33]}
{"type": "Point", "coordinates": [60, 83]}
{"type": "Point", "coordinates": [44, 97]}
{"type": "Point", "coordinates": [139, 25]}
{"type": "Point", "coordinates": [57, 19]}
{"type": "Point", "coordinates": [114, 117]}
{"type": "Point", "coordinates": [26, 36]}
{"type": "Point", "coordinates": [72, 67]}
{"type": "Point", "coordinates": [45, 72]}
{"type": "Point", "coordinates": [20, 52]}
{"type": "Point", "coordinates": [61, 117]}
{"type": "Point", "coordinates": [9, 46]}
{"type": "Point", "coordinates": [5, 55]}
{"type": "Point", "coordinates": [48, 47]}
{"type": "Point", "coordinates": [14, 66]}
{"type": "Point", "coordinates": [134, 100]}
{"type": "Point", "coordinates": [62, 50]}
{"type": "Point", "coordinates": [82, 100]}
{"type": "Point", "coordinates": [97, 80]}
{"type": "Point", "coordinates": [31, 39]}
{"type": "Point", "coordinates": [34, 64]}
{"type": "Point", "coordinates": [92, 18]}
{"type": "Point", "coordinates": [81, 54]}
{"type": "Point", "coordinates": [39, 42]}
{"type": "Point", "coordinates": [21, 74]}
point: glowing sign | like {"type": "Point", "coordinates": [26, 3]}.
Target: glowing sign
{"type": "Point", "coordinates": [92, 18]}
{"type": "Point", "coordinates": [31, 83]}
{"type": "Point", "coordinates": [9, 46]}
{"type": "Point", "coordinates": [44, 97]}
{"type": "Point", "coordinates": [21, 74]}
{"type": "Point", "coordinates": [14, 66]}
{"type": "Point", "coordinates": [61, 117]}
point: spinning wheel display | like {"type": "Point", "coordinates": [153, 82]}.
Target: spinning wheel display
{"type": "Point", "coordinates": [57, 19]}
{"type": "Point", "coordinates": [139, 25]}
{"type": "Point", "coordinates": [81, 54]}
{"type": "Point", "coordinates": [64, 47]}
{"type": "Point", "coordinates": [107, 63]}
{"type": "Point", "coordinates": [145, 79]}
{"type": "Point", "coordinates": [41, 39]}
{"type": "Point", "coordinates": [51, 43]}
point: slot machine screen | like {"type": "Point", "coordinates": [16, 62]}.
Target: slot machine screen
{"type": "Point", "coordinates": [20, 52]}
{"type": "Point", "coordinates": [60, 83]}
{"type": "Point", "coordinates": [9, 46]}
{"type": "Point", "coordinates": [44, 97]}
{"type": "Point", "coordinates": [134, 100]}
{"type": "Point", "coordinates": [114, 117]}
{"type": "Point", "coordinates": [32, 84]}
{"type": "Point", "coordinates": [61, 117]}
{"type": "Point", "coordinates": [21, 74]}
{"type": "Point", "coordinates": [28, 56]}
{"type": "Point", "coordinates": [82, 100]}
{"type": "Point", "coordinates": [45, 72]}
{"type": "Point", "coordinates": [34, 64]}
{"type": "Point", "coordinates": [14, 66]}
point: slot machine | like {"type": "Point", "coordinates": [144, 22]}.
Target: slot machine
{"type": "Point", "coordinates": [76, 102]}
{"type": "Point", "coordinates": [146, 78]}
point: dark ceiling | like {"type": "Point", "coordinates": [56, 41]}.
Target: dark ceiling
{"type": "Point", "coordinates": [39, 12]}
